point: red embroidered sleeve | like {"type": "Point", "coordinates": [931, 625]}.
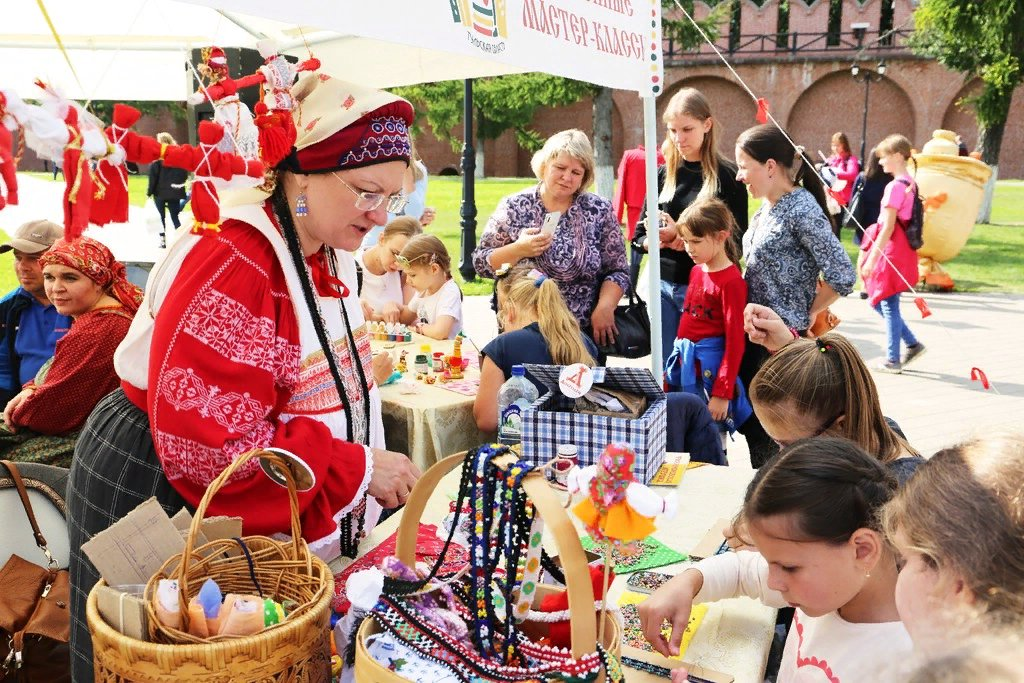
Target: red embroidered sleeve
{"type": "Point", "coordinates": [81, 374]}
{"type": "Point", "coordinates": [224, 360]}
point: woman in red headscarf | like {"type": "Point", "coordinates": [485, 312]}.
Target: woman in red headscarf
{"type": "Point", "coordinates": [83, 280]}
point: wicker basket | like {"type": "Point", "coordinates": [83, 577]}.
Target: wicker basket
{"type": "Point", "coordinates": [297, 649]}
{"type": "Point", "coordinates": [583, 618]}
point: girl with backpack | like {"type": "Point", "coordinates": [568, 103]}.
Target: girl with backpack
{"type": "Point", "coordinates": [888, 261]}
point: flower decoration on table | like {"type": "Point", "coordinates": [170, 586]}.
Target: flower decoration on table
{"type": "Point", "coordinates": [616, 509]}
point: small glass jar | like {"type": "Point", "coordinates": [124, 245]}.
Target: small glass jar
{"type": "Point", "coordinates": [566, 458]}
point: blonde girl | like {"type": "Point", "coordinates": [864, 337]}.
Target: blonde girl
{"type": "Point", "coordinates": [436, 308]}
{"type": "Point", "coordinates": [958, 528]}
{"type": "Point", "coordinates": [694, 170]}
{"type": "Point", "coordinates": [538, 328]}
{"type": "Point", "coordinates": [813, 515]}
{"type": "Point", "coordinates": [381, 293]}
{"type": "Point", "coordinates": [887, 263]}
{"type": "Point", "coordinates": [709, 341]}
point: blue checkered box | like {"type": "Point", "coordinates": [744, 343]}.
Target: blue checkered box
{"type": "Point", "coordinates": [549, 421]}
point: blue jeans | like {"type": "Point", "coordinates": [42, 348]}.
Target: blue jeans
{"type": "Point", "coordinates": [895, 328]}
{"type": "Point", "coordinates": [672, 297]}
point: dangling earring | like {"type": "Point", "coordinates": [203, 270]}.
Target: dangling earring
{"type": "Point", "coordinates": [300, 205]}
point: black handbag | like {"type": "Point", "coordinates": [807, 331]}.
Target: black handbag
{"type": "Point", "coordinates": [634, 325]}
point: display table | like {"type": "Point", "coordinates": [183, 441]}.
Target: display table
{"type": "Point", "coordinates": [431, 422]}
{"type": "Point", "coordinates": [736, 634]}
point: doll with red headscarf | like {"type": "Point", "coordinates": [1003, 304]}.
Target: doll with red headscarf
{"type": "Point", "coordinates": [84, 281]}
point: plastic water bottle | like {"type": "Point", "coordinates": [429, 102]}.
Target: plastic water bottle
{"type": "Point", "coordinates": [514, 397]}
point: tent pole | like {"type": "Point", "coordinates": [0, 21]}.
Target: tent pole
{"type": "Point", "coordinates": [468, 210]}
{"type": "Point", "coordinates": [653, 251]}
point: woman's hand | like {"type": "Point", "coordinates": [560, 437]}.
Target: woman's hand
{"type": "Point", "coordinates": [765, 327]}
{"type": "Point", "coordinates": [719, 408]}
{"type": "Point", "coordinates": [867, 268]}
{"type": "Point", "coordinates": [602, 324]}
{"type": "Point", "coordinates": [390, 312]}
{"type": "Point", "coordinates": [12, 405]}
{"type": "Point", "coordinates": [532, 242]}
{"type": "Point", "coordinates": [429, 214]}
{"type": "Point", "coordinates": [393, 477]}
{"type": "Point", "coordinates": [382, 367]}
{"type": "Point", "coordinates": [367, 310]}
{"type": "Point", "coordinates": [672, 603]}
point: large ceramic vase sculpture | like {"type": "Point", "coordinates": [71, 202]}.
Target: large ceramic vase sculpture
{"type": "Point", "coordinates": [952, 188]}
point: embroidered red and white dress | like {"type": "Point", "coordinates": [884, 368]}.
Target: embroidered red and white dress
{"type": "Point", "coordinates": [231, 362]}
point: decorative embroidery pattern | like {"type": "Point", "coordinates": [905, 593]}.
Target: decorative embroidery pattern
{"type": "Point", "coordinates": [187, 459]}
{"type": "Point", "coordinates": [185, 390]}
{"type": "Point", "coordinates": [232, 331]}
{"type": "Point", "coordinates": [812, 662]}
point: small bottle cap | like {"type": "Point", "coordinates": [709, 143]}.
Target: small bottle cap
{"type": "Point", "coordinates": [518, 371]}
{"type": "Point", "coordinates": [568, 450]}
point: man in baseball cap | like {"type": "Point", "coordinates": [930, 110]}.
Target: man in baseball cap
{"type": "Point", "coordinates": [29, 324]}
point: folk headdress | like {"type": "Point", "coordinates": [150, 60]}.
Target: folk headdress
{"type": "Point", "coordinates": [94, 260]}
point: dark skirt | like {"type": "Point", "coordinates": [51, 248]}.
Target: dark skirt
{"type": "Point", "coordinates": [114, 470]}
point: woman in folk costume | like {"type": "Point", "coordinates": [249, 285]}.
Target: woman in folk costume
{"type": "Point", "coordinates": [85, 282]}
{"type": "Point", "coordinates": [232, 352]}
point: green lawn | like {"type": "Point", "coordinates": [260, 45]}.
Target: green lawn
{"type": "Point", "coordinates": [991, 261]}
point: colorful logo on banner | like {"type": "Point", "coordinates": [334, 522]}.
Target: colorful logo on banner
{"type": "Point", "coordinates": [484, 21]}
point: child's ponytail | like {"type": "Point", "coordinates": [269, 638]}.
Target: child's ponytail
{"type": "Point", "coordinates": [533, 291]}
{"type": "Point", "coordinates": [829, 485]}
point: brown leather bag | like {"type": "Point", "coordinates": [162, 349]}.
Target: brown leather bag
{"type": "Point", "coordinates": [35, 620]}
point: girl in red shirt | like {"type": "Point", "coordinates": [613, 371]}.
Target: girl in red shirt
{"type": "Point", "coordinates": [710, 340]}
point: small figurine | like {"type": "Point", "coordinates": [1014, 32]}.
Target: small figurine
{"type": "Point", "coordinates": [455, 361]}
{"type": "Point", "coordinates": [403, 365]}
{"type": "Point", "coordinates": [430, 379]}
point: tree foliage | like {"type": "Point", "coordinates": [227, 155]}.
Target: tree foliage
{"type": "Point", "coordinates": [676, 26]}
{"type": "Point", "coordinates": [982, 39]}
{"type": "Point", "coordinates": [501, 103]}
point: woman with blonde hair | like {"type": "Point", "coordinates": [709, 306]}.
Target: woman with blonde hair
{"type": "Point", "coordinates": [694, 170]}
{"type": "Point", "coordinates": [539, 328]}
{"type": "Point", "coordinates": [581, 250]}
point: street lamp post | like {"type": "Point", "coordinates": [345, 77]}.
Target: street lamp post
{"type": "Point", "coordinates": [867, 78]}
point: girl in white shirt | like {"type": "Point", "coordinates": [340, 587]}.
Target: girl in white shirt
{"type": "Point", "coordinates": [436, 308]}
{"type": "Point", "coordinates": [812, 513]}
{"type": "Point", "coordinates": [381, 293]}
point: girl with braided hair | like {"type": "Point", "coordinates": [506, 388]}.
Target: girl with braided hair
{"type": "Point", "coordinates": [813, 514]}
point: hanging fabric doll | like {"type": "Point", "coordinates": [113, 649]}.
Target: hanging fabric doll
{"type": "Point", "coordinates": [240, 134]}
{"type": "Point", "coordinates": [273, 111]}
{"type": "Point", "coordinates": [110, 203]}
{"type": "Point", "coordinates": [615, 506]}
{"type": "Point", "coordinates": [209, 164]}
{"type": "Point", "coordinates": [8, 159]}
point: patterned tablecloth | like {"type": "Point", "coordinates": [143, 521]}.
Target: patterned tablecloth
{"type": "Point", "coordinates": [735, 635]}
{"type": "Point", "coordinates": [429, 422]}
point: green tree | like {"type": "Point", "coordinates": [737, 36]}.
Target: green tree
{"type": "Point", "coordinates": [982, 39]}
{"type": "Point", "coordinates": [501, 103]}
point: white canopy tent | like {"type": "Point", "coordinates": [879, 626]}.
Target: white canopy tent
{"type": "Point", "coordinates": [136, 50]}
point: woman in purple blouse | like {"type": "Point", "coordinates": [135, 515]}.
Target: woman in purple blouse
{"type": "Point", "coordinates": [586, 253]}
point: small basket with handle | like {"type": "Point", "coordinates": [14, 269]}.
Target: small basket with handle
{"type": "Point", "coordinates": [583, 616]}
{"type": "Point", "coordinates": [296, 649]}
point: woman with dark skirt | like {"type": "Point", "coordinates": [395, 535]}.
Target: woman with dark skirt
{"type": "Point", "coordinates": [254, 338]}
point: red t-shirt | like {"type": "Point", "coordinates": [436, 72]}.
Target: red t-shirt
{"type": "Point", "coordinates": [714, 308]}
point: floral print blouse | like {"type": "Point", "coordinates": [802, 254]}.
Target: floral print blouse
{"type": "Point", "coordinates": [786, 248]}
{"type": "Point", "coordinates": [587, 248]}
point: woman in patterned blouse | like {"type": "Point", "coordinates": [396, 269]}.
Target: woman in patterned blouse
{"type": "Point", "coordinates": [789, 246]}
{"type": "Point", "coordinates": [585, 255]}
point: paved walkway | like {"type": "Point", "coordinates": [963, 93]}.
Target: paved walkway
{"type": "Point", "coordinates": [934, 401]}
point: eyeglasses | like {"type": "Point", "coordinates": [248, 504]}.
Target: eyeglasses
{"type": "Point", "coordinates": [827, 426]}
{"type": "Point", "coordinates": [368, 201]}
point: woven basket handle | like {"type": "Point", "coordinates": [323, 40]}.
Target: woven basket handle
{"type": "Point", "coordinates": [215, 485]}
{"type": "Point", "coordinates": [583, 618]}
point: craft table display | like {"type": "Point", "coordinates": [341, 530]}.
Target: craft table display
{"type": "Point", "coordinates": [437, 419]}
{"type": "Point", "coordinates": [734, 635]}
